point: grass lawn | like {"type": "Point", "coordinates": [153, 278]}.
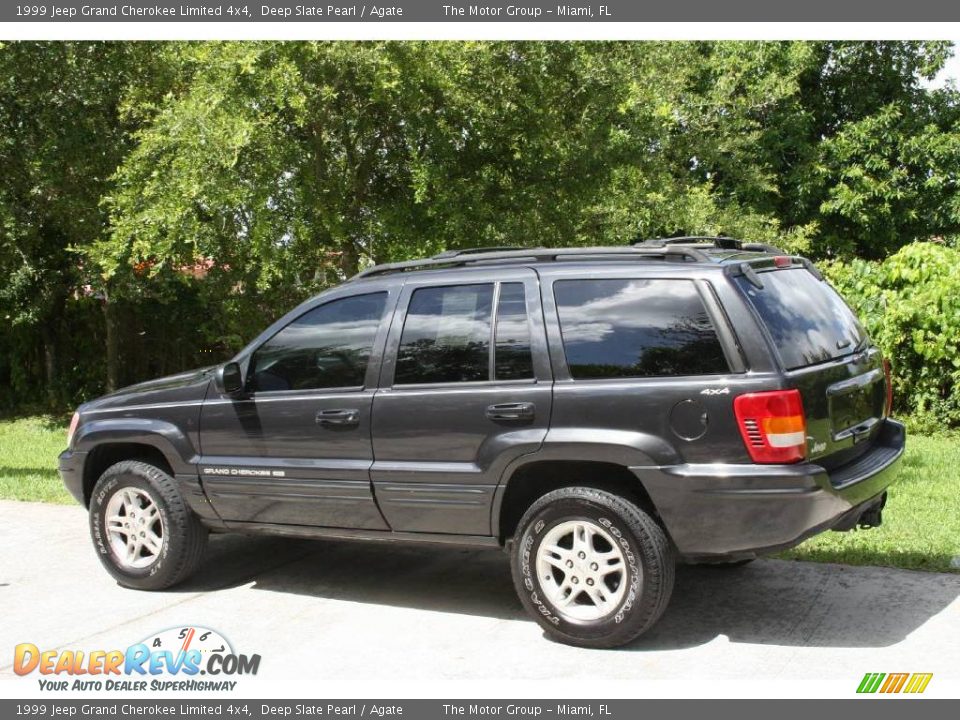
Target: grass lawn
{"type": "Point", "coordinates": [921, 522]}
{"type": "Point", "coordinates": [28, 458]}
{"type": "Point", "coordinates": [920, 531]}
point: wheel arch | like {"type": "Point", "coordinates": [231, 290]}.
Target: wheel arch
{"type": "Point", "coordinates": [110, 440]}
{"type": "Point", "coordinates": [104, 455]}
{"type": "Point", "coordinates": [531, 480]}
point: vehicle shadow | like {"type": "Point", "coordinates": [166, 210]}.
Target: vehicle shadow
{"type": "Point", "coordinates": [800, 604]}
{"type": "Point", "coordinates": [471, 582]}
{"type": "Point", "coordinates": [771, 602]}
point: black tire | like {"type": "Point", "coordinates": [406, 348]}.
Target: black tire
{"type": "Point", "coordinates": [649, 556]}
{"type": "Point", "coordinates": [184, 538]}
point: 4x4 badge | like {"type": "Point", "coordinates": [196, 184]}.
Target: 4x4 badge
{"type": "Point", "coordinates": [715, 391]}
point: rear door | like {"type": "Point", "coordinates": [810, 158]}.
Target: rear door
{"type": "Point", "coordinates": [465, 389]}
{"type": "Point", "coordinates": [643, 357]}
{"type": "Point", "coordinates": [826, 355]}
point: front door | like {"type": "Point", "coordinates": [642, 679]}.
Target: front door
{"type": "Point", "coordinates": [295, 448]}
{"type": "Point", "coordinates": [465, 388]}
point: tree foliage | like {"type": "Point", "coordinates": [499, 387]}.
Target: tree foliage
{"type": "Point", "coordinates": [60, 141]}
{"type": "Point", "coordinates": [163, 201]}
{"type": "Point", "coordinates": [911, 308]}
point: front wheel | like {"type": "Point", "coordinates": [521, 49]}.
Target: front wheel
{"type": "Point", "coordinates": [593, 568]}
{"type": "Point", "coordinates": [144, 533]}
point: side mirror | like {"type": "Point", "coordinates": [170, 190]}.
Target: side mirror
{"type": "Point", "coordinates": [228, 379]}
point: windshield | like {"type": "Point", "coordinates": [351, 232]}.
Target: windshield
{"type": "Point", "coordinates": [808, 321]}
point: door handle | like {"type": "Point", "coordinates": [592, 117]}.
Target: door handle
{"type": "Point", "coordinates": [511, 411]}
{"type": "Point", "coordinates": [338, 418]}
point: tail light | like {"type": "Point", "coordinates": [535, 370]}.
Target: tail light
{"type": "Point", "coordinates": [773, 425]}
{"type": "Point", "coordinates": [74, 421]}
{"type": "Point", "coordinates": [888, 375]}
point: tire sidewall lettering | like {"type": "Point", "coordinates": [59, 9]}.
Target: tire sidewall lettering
{"type": "Point", "coordinates": [97, 526]}
{"type": "Point", "coordinates": [635, 574]}
{"type": "Point", "coordinates": [529, 582]}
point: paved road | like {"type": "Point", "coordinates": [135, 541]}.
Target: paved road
{"type": "Point", "coordinates": [338, 618]}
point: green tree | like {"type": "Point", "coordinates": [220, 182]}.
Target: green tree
{"type": "Point", "coordinates": [861, 147]}
{"type": "Point", "coordinates": [149, 187]}
{"type": "Point", "coordinates": [60, 141]}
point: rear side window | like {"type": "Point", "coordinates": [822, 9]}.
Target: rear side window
{"type": "Point", "coordinates": [636, 328]}
{"type": "Point", "coordinates": [446, 336]}
{"type": "Point", "coordinates": [808, 321]}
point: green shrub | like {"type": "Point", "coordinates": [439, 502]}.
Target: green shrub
{"type": "Point", "coordinates": [910, 304]}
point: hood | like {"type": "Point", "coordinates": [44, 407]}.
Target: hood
{"type": "Point", "coordinates": [189, 386]}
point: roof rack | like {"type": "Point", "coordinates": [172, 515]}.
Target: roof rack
{"type": "Point", "coordinates": [462, 258]}
{"type": "Point", "coordinates": [474, 251]}
{"type": "Point", "coordinates": [764, 247]}
{"type": "Point", "coordinates": [717, 241]}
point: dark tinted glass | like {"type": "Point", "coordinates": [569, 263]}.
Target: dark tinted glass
{"type": "Point", "coordinates": [512, 359]}
{"type": "Point", "coordinates": [446, 336]}
{"type": "Point", "coordinates": [636, 328]}
{"type": "Point", "coordinates": [808, 321]}
{"type": "Point", "coordinates": [326, 347]}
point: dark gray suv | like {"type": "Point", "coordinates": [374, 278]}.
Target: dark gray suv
{"type": "Point", "coordinates": [597, 412]}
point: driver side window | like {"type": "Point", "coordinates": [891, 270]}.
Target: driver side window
{"type": "Point", "coordinates": [327, 347]}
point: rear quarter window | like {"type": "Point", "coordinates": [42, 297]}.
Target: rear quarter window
{"type": "Point", "coordinates": [807, 319]}
{"type": "Point", "coordinates": [617, 328]}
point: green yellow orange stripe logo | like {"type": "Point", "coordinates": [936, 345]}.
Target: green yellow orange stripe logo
{"type": "Point", "coordinates": [894, 683]}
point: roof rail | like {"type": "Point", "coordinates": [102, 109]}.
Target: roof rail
{"type": "Point", "coordinates": [718, 241]}
{"type": "Point", "coordinates": [462, 259]}
{"type": "Point", "coordinates": [474, 251]}
{"type": "Point", "coordinates": [764, 247]}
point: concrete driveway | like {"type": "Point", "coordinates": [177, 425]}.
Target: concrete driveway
{"type": "Point", "coordinates": [336, 618]}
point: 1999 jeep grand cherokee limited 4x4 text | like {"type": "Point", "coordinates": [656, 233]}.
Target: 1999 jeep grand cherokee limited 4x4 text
{"type": "Point", "coordinates": [598, 412]}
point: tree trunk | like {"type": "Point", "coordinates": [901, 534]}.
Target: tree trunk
{"type": "Point", "coordinates": [349, 259]}
{"type": "Point", "coordinates": [50, 364]}
{"type": "Point", "coordinates": [113, 343]}
{"type": "Point", "coordinates": [50, 334]}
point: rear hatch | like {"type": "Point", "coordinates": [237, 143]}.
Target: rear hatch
{"type": "Point", "coordinates": [826, 355]}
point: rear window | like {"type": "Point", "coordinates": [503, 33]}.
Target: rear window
{"type": "Point", "coordinates": [616, 328]}
{"type": "Point", "coordinates": [808, 321]}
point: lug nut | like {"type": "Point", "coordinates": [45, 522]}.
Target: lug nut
{"type": "Point", "coordinates": [590, 581]}
{"type": "Point", "coordinates": [581, 555]}
{"type": "Point", "coordinates": [575, 580]}
{"type": "Point", "coordinates": [594, 566]}
{"type": "Point", "coordinates": [569, 563]}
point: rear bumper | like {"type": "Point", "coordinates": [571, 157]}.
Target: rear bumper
{"type": "Point", "coordinates": [724, 511]}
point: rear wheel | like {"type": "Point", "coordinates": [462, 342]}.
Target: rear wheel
{"type": "Point", "coordinates": [593, 568]}
{"type": "Point", "coordinates": [145, 534]}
